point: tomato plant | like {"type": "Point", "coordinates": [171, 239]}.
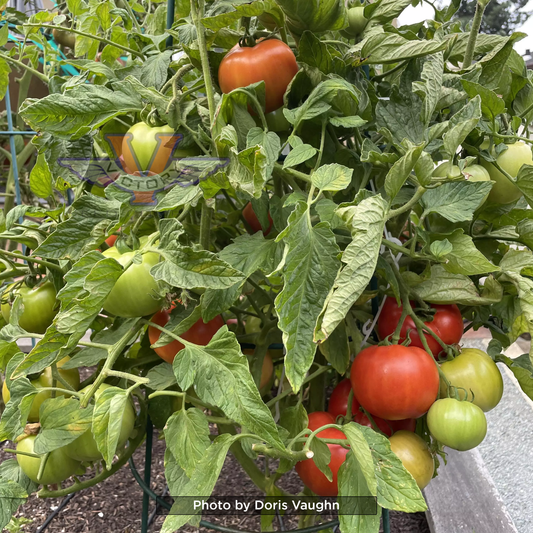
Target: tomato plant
{"type": "Point", "coordinates": [59, 466]}
{"type": "Point", "coordinates": [200, 333]}
{"type": "Point", "coordinates": [395, 382]}
{"type": "Point", "coordinates": [477, 375]}
{"type": "Point", "coordinates": [40, 306]}
{"type": "Point", "coordinates": [372, 147]}
{"type": "Point", "coordinates": [460, 425]}
{"type": "Point", "coordinates": [414, 454]}
{"type": "Point", "coordinates": [271, 61]}
{"type": "Point", "coordinates": [447, 324]}
{"type": "Point", "coordinates": [309, 473]}
{"type": "Point", "coordinates": [136, 293]}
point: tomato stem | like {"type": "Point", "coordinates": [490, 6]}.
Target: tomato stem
{"type": "Point", "coordinates": [406, 207]}
{"type": "Point", "coordinates": [42, 465]}
{"type": "Point", "coordinates": [476, 25]}
{"type": "Point", "coordinates": [47, 264]}
{"type": "Point", "coordinates": [275, 453]}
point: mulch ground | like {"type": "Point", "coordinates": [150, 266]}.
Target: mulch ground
{"type": "Point", "coordinates": [115, 505]}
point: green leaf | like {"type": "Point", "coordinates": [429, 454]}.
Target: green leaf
{"type": "Point", "coordinates": [440, 249]}
{"type": "Point", "coordinates": [78, 314]}
{"type": "Point", "coordinates": [62, 421]}
{"type": "Point", "coordinates": [327, 15]}
{"type": "Point", "coordinates": [311, 265]}
{"type": "Point", "coordinates": [366, 222]}
{"type": "Point", "coordinates": [442, 287]}
{"type": "Point", "coordinates": [187, 437]}
{"type": "Point", "coordinates": [455, 201]}
{"type": "Point", "coordinates": [111, 405]}
{"type": "Point", "coordinates": [188, 268]}
{"type": "Point", "coordinates": [161, 377]}
{"type": "Point", "coordinates": [4, 76]}
{"type": "Point", "coordinates": [461, 124]}
{"type": "Point", "coordinates": [360, 449]}
{"type": "Point", "coordinates": [370, 153]}
{"type": "Point", "coordinates": [79, 111]}
{"type": "Point", "coordinates": [388, 10]}
{"type": "Point", "coordinates": [314, 52]}
{"type": "Point", "coordinates": [400, 171]}
{"type": "Point", "coordinates": [336, 348]}
{"type": "Point", "coordinates": [294, 419]}
{"type": "Point", "coordinates": [10, 469]}
{"type": "Point", "coordinates": [356, 513]}
{"type": "Point", "coordinates": [392, 47]}
{"type": "Point", "coordinates": [522, 369]}
{"type": "Point", "coordinates": [397, 489]}
{"type": "Point", "coordinates": [41, 178]}
{"type": "Point", "coordinates": [221, 377]}
{"type": "Point", "coordinates": [321, 457]}
{"type": "Point", "coordinates": [154, 70]}
{"type": "Point", "coordinates": [4, 34]}
{"type": "Point", "coordinates": [299, 154]}
{"type": "Point", "coordinates": [465, 258]}
{"type": "Point", "coordinates": [432, 86]}
{"type": "Point", "coordinates": [491, 104]}
{"type": "Point", "coordinates": [224, 13]}
{"type": "Point", "coordinates": [332, 177]}
{"type": "Point", "coordinates": [174, 475]}
{"type": "Point", "coordinates": [347, 122]}
{"type": "Point", "coordinates": [201, 483]}
{"type": "Point", "coordinates": [11, 496]}
{"type": "Point", "coordinates": [524, 181]}
{"type": "Point", "coordinates": [83, 231]}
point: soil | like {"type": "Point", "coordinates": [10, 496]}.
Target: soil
{"type": "Point", "coordinates": [115, 506]}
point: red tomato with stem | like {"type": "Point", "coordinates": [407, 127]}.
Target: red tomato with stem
{"type": "Point", "coordinates": [447, 324]}
{"type": "Point", "coordinates": [111, 240]}
{"type": "Point", "coordinates": [270, 60]}
{"type": "Point", "coordinates": [395, 382]}
{"type": "Point", "coordinates": [200, 333]}
{"type": "Point", "coordinates": [338, 406]}
{"type": "Point", "coordinates": [249, 215]}
{"type": "Point", "coordinates": [308, 471]}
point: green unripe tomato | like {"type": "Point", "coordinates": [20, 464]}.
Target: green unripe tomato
{"type": "Point", "coordinates": [458, 425]}
{"type": "Point", "coordinates": [59, 465]}
{"type": "Point", "coordinates": [415, 456]}
{"type": "Point", "coordinates": [476, 372]}
{"type": "Point", "coordinates": [136, 292]}
{"type": "Point", "coordinates": [447, 169]}
{"type": "Point", "coordinates": [511, 160]}
{"type": "Point", "coordinates": [84, 447]}
{"type": "Point", "coordinates": [40, 307]}
{"type": "Point", "coordinates": [356, 21]}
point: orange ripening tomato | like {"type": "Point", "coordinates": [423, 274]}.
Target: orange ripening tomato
{"type": "Point", "coordinates": [271, 61]}
{"type": "Point", "coordinates": [249, 215]}
{"type": "Point", "coordinates": [200, 333]}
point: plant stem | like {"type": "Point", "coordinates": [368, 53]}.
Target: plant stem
{"type": "Point", "coordinates": [476, 25]}
{"type": "Point", "coordinates": [406, 207]}
{"type": "Point", "coordinates": [114, 353]}
{"type": "Point", "coordinates": [90, 36]}
{"type": "Point", "coordinates": [197, 12]}
{"type": "Point", "coordinates": [51, 266]}
{"type": "Point", "coordinates": [126, 375]}
{"type": "Point", "coordinates": [275, 453]}
{"type": "Point", "coordinates": [205, 225]}
{"type": "Point", "coordinates": [36, 73]}
{"type": "Point", "coordinates": [132, 16]}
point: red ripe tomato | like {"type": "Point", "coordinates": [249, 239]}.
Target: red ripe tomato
{"type": "Point", "coordinates": [111, 240]}
{"type": "Point", "coordinates": [338, 404]}
{"type": "Point", "coordinates": [271, 61]}
{"type": "Point", "coordinates": [200, 333]}
{"type": "Point", "coordinates": [308, 471]}
{"type": "Point", "coordinates": [249, 215]}
{"type": "Point", "coordinates": [395, 382]}
{"type": "Point", "coordinates": [447, 323]}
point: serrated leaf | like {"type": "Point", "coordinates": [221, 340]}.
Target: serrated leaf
{"type": "Point", "coordinates": [333, 177]}
{"type": "Point", "coordinates": [491, 104]}
{"type": "Point", "coordinates": [161, 377]}
{"type": "Point", "coordinates": [41, 178]}
{"type": "Point", "coordinates": [400, 171]}
{"type": "Point", "coordinates": [299, 154]}
{"type": "Point", "coordinates": [456, 201]}
{"type": "Point", "coordinates": [187, 437]}
{"type": "Point", "coordinates": [62, 421]}
{"type": "Point", "coordinates": [311, 265]}
{"type": "Point", "coordinates": [366, 222]}
{"type": "Point", "coordinates": [461, 124]}
{"type": "Point", "coordinates": [336, 348]}
{"type": "Point", "coordinates": [11, 496]}
{"type": "Point", "coordinates": [154, 71]}
{"type": "Point", "coordinates": [221, 376]}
